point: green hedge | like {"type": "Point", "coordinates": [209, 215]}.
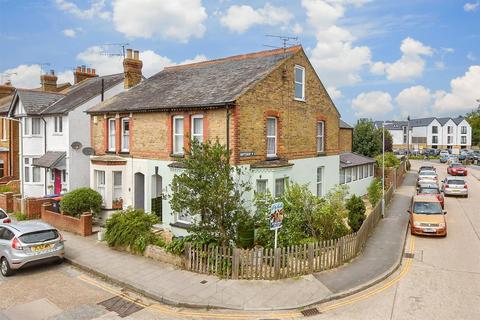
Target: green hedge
{"type": "Point", "coordinates": [375, 191]}
{"type": "Point", "coordinates": [356, 212]}
{"type": "Point", "coordinates": [81, 200]}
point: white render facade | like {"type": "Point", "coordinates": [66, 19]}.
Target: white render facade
{"type": "Point", "coordinates": [435, 133]}
{"type": "Point", "coordinates": [67, 134]}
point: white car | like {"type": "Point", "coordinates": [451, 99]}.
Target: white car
{"type": "Point", "coordinates": [444, 153]}
{"type": "Point", "coordinates": [454, 186]}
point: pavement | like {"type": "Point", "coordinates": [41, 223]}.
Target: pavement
{"type": "Point", "coordinates": [170, 285]}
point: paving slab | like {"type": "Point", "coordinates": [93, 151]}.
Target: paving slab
{"type": "Point", "coordinates": [35, 310]}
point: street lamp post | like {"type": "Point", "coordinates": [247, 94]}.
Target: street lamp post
{"type": "Point", "coordinates": [22, 187]}
{"type": "Point", "coordinates": [383, 167]}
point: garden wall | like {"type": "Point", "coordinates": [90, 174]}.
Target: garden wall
{"type": "Point", "coordinates": [81, 226]}
{"type": "Point", "coordinates": [6, 201]}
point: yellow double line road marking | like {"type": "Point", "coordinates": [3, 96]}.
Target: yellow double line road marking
{"type": "Point", "coordinates": [219, 315]}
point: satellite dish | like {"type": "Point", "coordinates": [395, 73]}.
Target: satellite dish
{"type": "Point", "coordinates": [76, 145]}
{"type": "Point", "coordinates": [88, 151]}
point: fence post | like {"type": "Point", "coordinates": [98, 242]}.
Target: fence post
{"type": "Point", "coordinates": [340, 244]}
{"type": "Point", "coordinates": [235, 263]}
{"type": "Point", "coordinates": [276, 263]}
{"type": "Point", "coordinates": [310, 257]}
{"type": "Point", "coordinates": [188, 255]}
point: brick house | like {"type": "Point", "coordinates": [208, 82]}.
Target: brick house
{"type": "Point", "coordinates": [270, 108]}
{"type": "Point", "coordinates": [9, 142]}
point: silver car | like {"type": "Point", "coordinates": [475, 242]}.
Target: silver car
{"type": "Point", "coordinates": [427, 176]}
{"type": "Point", "coordinates": [4, 218]}
{"type": "Point", "coordinates": [28, 243]}
{"type": "Point", "coordinates": [453, 186]}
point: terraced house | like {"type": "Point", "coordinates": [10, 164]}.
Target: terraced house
{"type": "Point", "coordinates": [55, 134]}
{"type": "Point", "coordinates": [270, 108]}
{"type": "Point", "coordinates": [9, 140]}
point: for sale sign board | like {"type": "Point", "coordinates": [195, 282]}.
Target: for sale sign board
{"type": "Point", "coordinates": [276, 215]}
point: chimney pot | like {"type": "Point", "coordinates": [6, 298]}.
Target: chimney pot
{"type": "Point", "coordinates": [79, 69]}
{"type": "Point", "coordinates": [83, 69]}
{"type": "Point", "coordinates": [93, 71]}
{"type": "Point", "coordinates": [89, 70]}
{"type": "Point", "coordinates": [136, 55]}
{"type": "Point", "coordinates": [129, 53]}
{"type": "Point", "coordinates": [52, 72]}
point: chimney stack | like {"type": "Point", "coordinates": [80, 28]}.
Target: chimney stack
{"type": "Point", "coordinates": [132, 68]}
{"type": "Point", "coordinates": [82, 73]}
{"type": "Point", "coordinates": [49, 81]}
{"type": "Point", "coordinates": [6, 89]}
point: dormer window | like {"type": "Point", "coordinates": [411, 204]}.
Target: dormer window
{"type": "Point", "coordinates": [299, 83]}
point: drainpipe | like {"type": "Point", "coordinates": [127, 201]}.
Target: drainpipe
{"type": "Point", "coordinates": [103, 90]}
{"type": "Point", "coordinates": [228, 129]}
{"type": "Point", "coordinates": [44, 151]}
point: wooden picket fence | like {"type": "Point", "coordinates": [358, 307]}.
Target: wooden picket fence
{"type": "Point", "coordinates": [285, 262]}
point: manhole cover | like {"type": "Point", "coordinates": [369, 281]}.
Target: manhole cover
{"type": "Point", "coordinates": [121, 306]}
{"type": "Point", "coordinates": [310, 312]}
{"type": "Point", "coordinates": [409, 255]}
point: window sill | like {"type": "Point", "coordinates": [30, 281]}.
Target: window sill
{"type": "Point", "coordinates": [125, 152]}
{"type": "Point", "coordinates": [177, 155]}
{"type": "Point", "coordinates": [272, 158]}
{"type": "Point", "coordinates": [321, 154]}
{"type": "Point", "coordinates": [299, 100]}
{"type": "Point", "coordinates": [57, 134]}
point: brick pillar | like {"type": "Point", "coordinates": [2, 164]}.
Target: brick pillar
{"type": "Point", "coordinates": [8, 201]}
{"type": "Point", "coordinates": [86, 224]}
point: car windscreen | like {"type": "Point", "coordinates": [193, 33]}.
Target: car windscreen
{"type": "Point", "coordinates": [3, 215]}
{"type": "Point", "coordinates": [428, 173]}
{"type": "Point", "coordinates": [39, 236]}
{"type": "Point", "coordinates": [456, 182]}
{"type": "Point", "coordinates": [428, 191]}
{"type": "Point", "coordinates": [427, 208]}
{"type": "Point", "coordinates": [456, 165]}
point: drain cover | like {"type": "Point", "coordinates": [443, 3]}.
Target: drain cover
{"type": "Point", "coordinates": [409, 255]}
{"type": "Point", "coordinates": [121, 306]}
{"type": "Point", "coordinates": [203, 281]}
{"type": "Point", "coordinates": [310, 312]}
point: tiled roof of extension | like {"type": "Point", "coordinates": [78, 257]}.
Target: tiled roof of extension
{"type": "Point", "coordinates": [349, 159]}
{"type": "Point", "coordinates": [344, 125]}
{"type": "Point", "coordinates": [82, 92]}
{"type": "Point", "coordinates": [212, 83]}
{"type": "Point", "coordinates": [34, 101]}
{"type": "Point", "coordinates": [5, 104]}
{"type": "Point", "coordinates": [422, 122]}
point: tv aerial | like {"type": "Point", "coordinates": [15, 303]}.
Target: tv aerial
{"type": "Point", "coordinates": [120, 46]}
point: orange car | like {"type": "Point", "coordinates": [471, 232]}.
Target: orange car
{"type": "Point", "coordinates": [427, 216]}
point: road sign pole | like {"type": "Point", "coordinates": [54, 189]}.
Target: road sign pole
{"type": "Point", "coordinates": [276, 237]}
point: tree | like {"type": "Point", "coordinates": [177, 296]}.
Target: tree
{"type": "Point", "coordinates": [356, 212]}
{"type": "Point", "coordinates": [365, 138]}
{"type": "Point", "coordinates": [210, 191]}
{"type": "Point", "coordinates": [473, 119]}
{"type": "Point", "coordinates": [368, 140]}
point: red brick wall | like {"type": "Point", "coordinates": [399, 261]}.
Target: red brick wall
{"type": "Point", "coordinates": [82, 226]}
{"type": "Point", "coordinates": [6, 201]}
{"type": "Point", "coordinates": [17, 203]}
{"type": "Point", "coordinates": [33, 207]}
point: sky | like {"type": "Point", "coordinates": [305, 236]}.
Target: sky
{"type": "Point", "coordinates": [378, 59]}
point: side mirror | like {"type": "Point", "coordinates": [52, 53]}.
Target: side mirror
{"type": "Point", "coordinates": [444, 212]}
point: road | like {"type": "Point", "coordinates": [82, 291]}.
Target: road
{"type": "Point", "coordinates": [441, 281]}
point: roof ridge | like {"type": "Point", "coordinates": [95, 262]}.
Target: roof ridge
{"type": "Point", "coordinates": [39, 91]}
{"type": "Point", "coordinates": [252, 55]}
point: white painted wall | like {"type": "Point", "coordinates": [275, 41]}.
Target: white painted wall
{"type": "Point", "coordinates": [430, 135]}
{"type": "Point", "coordinates": [455, 139]}
{"type": "Point", "coordinates": [468, 135]}
{"type": "Point", "coordinates": [359, 187]}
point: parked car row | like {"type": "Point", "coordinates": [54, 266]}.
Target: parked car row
{"type": "Point", "coordinates": [427, 216]}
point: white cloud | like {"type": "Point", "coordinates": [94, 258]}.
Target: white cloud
{"type": "Point", "coordinates": [65, 76]}
{"type": "Point", "coordinates": [471, 56]}
{"type": "Point", "coordinates": [70, 33]}
{"type": "Point", "coordinates": [179, 20]}
{"type": "Point", "coordinates": [471, 6]}
{"type": "Point", "coordinates": [297, 29]}
{"type": "Point", "coordinates": [240, 18]}
{"type": "Point", "coordinates": [335, 57]}
{"type": "Point", "coordinates": [96, 9]}
{"type": "Point", "coordinates": [409, 67]}
{"type": "Point", "coordinates": [372, 103]}
{"type": "Point", "coordinates": [463, 93]}
{"type": "Point", "coordinates": [334, 92]}
{"type": "Point", "coordinates": [415, 101]}
{"type": "Point", "coordinates": [25, 76]}
{"type": "Point", "coordinates": [152, 62]}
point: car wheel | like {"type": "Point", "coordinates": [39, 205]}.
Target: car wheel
{"type": "Point", "coordinates": [5, 268]}
{"type": "Point", "coordinates": [466, 196]}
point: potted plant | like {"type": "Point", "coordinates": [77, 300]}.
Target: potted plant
{"type": "Point", "coordinates": [117, 203]}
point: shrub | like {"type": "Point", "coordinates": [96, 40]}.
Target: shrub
{"type": "Point", "coordinates": [131, 228]}
{"type": "Point", "coordinates": [375, 191]}
{"type": "Point", "coordinates": [177, 246]}
{"type": "Point", "coordinates": [81, 200]}
{"type": "Point", "coordinates": [5, 188]}
{"type": "Point", "coordinates": [390, 160]}
{"type": "Point", "coordinates": [356, 212]}
{"type": "Point", "coordinates": [20, 216]}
